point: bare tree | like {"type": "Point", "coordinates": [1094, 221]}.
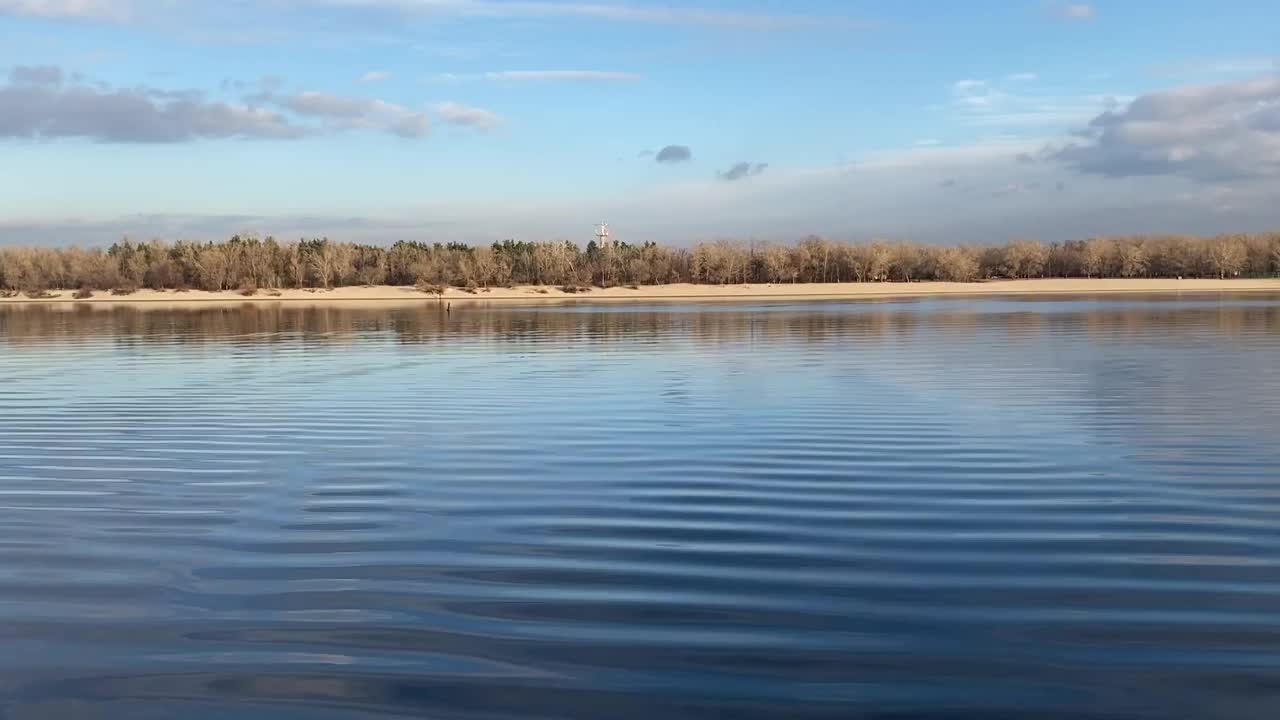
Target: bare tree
{"type": "Point", "coordinates": [777, 263]}
{"type": "Point", "coordinates": [957, 265]}
{"type": "Point", "coordinates": [1228, 255]}
{"type": "Point", "coordinates": [1025, 259]}
{"type": "Point", "coordinates": [1097, 256]}
{"type": "Point", "coordinates": [212, 266]}
{"type": "Point", "coordinates": [1133, 258]}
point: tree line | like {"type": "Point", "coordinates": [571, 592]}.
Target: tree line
{"type": "Point", "coordinates": [250, 263]}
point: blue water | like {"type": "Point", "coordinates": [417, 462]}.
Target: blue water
{"type": "Point", "coordinates": [972, 508]}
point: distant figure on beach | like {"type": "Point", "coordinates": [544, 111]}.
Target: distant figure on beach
{"type": "Point", "coordinates": [448, 308]}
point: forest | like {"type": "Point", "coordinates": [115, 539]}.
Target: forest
{"type": "Point", "coordinates": [249, 264]}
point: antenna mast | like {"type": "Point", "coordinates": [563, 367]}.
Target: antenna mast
{"type": "Point", "coordinates": [602, 234]}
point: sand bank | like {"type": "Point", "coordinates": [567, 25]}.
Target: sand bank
{"type": "Point", "coordinates": [682, 292]}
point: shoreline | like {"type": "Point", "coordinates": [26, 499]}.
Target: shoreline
{"type": "Point", "coordinates": [387, 294]}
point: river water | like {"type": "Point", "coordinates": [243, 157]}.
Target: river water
{"type": "Point", "coordinates": [976, 508]}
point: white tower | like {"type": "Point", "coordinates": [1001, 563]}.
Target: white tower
{"type": "Point", "coordinates": [602, 234]}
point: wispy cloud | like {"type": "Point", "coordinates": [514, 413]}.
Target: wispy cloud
{"type": "Point", "coordinates": [742, 170]}
{"type": "Point", "coordinates": [103, 231]}
{"type": "Point", "coordinates": [375, 76]}
{"type": "Point", "coordinates": [1073, 11]}
{"type": "Point", "coordinates": [466, 116]}
{"type": "Point", "coordinates": [344, 113]}
{"type": "Point", "coordinates": [1221, 66]}
{"type": "Point", "coordinates": [1020, 102]}
{"type": "Point", "coordinates": [145, 11]}
{"type": "Point", "coordinates": [67, 9]}
{"type": "Point", "coordinates": [564, 75]}
{"type": "Point", "coordinates": [1015, 189]}
{"type": "Point", "coordinates": [614, 12]}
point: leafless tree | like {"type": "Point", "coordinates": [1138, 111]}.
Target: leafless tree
{"type": "Point", "coordinates": [1228, 255]}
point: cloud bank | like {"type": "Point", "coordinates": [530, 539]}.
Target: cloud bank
{"type": "Point", "coordinates": [1207, 133]}
{"type": "Point", "coordinates": [43, 103]}
{"type": "Point", "coordinates": [39, 103]}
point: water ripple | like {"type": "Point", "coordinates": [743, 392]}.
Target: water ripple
{"type": "Point", "coordinates": [946, 509]}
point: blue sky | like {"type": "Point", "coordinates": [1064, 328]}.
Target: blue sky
{"type": "Point", "coordinates": [482, 119]}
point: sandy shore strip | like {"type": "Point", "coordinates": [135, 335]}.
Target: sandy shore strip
{"type": "Point", "coordinates": [680, 292]}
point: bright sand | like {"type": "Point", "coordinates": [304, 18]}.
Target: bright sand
{"type": "Point", "coordinates": [754, 291]}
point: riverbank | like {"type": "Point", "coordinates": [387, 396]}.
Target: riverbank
{"type": "Point", "coordinates": [678, 292]}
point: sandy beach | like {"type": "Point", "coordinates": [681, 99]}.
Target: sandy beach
{"type": "Point", "coordinates": [679, 292]}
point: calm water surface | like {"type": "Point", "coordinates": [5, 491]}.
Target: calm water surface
{"type": "Point", "coordinates": [953, 509]}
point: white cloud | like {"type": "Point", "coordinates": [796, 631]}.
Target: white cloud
{"type": "Point", "coordinates": [312, 102]}
{"type": "Point", "coordinates": [466, 116]}
{"type": "Point", "coordinates": [45, 102]}
{"type": "Point", "coordinates": [1015, 103]}
{"type": "Point", "coordinates": [604, 11]}
{"type": "Point", "coordinates": [67, 9]}
{"type": "Point", "coordinates": [345, 113]}
{"type": "Point", "coordinates": [568, 75]}
{"type": "Point", "coordinates": [1075, 11]}
{"type": "Point", "coordinates": [350, 23]}
{"type": "Point", "coordinates": [375, 76]}
{"type": "Point", "coordinates": [1243, 66]}
{"type": "Point", "coordinates": [1204, 132]}
{"type": "Point", "coordinates": [39, 103]}
{"type": "Point", "coordinates": [614, 12]}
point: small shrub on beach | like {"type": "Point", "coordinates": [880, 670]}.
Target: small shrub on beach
{"type": "Point", "coordinates": [248, 289]}
{"type": "Point", "coordinates": [540, 291]}
{"type": "Point", "coordinates": [431, 289]}
{"type": "Point", "coordinates": [633, 287]}
{"type": "Point", "coordinates": [39, 294]}
{"type": "Point", "coordinates": [8, 293]}
{"type": "Point", "coordinates": [126, 289]}
{"type": "Point", "coordinates": [83, 293]}
{"type": "Point", "coordinates": [274, 293]}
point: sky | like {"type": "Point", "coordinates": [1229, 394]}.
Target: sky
{"type": "Point", "coordinates": [676, 121]}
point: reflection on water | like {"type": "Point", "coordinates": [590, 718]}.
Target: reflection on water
{"type": "Point", "coordinates": [961, 508]}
